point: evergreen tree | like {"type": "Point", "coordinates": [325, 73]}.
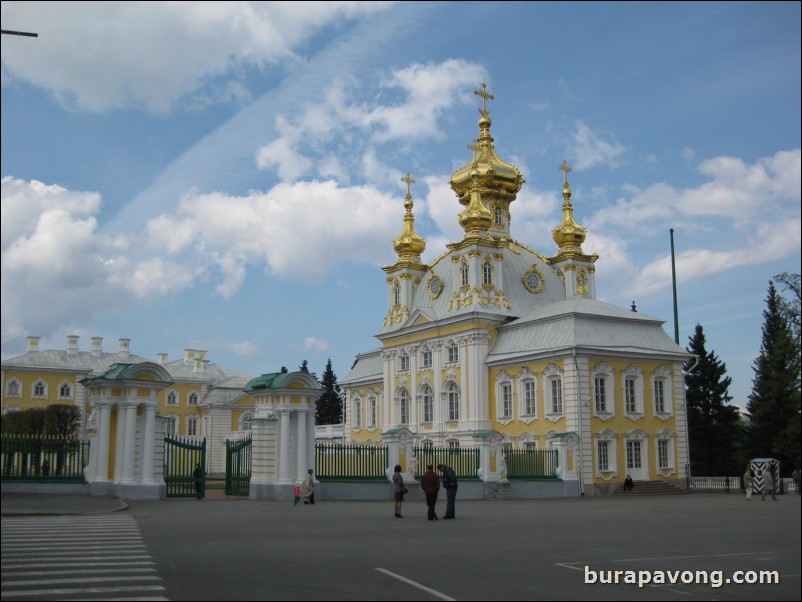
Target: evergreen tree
{"type": "Point", "coordinates": [774, 404]}
{"type": "Point", "coordinates": [304, 367]}
{"type": "Point", "coordinates": [329, 408]}
{"type": "Point", "coordinates": [714, 427]}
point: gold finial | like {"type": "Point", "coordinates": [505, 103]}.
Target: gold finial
{"type": "Point", "coordinates": [407, 179]}
{"type": "Point", "coordinates": [485, 95]}
{"type": "Point", "coordinates": [565, 169]}
{"type": "Point", "coordinates": [474, 146]}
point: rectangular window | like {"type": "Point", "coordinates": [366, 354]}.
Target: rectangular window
{"type": "Point", "coordinates": [662, 454]}
{"type": "Point", "coordinates": [629, 396]}
{"type": "Point", "coordinates": [529, 398]}
{"type": "Point", "coordinates": [633, 455]}
{"type": "Point", "coordinates": [192, 427]}
{"type": "Point", "coordinates": [506, 400]}
{"type": "Point", "coordinates": [659, 397]}
{"type": "Point", "coordinates": [404, 363]}
{"type": "Point", "coordinates": [426, 359]}
{"type": "Point", "coordinates": [372, 412]}
{"type": "Point", "coordinates": [556, 396]}
{"type": "Point", "coordinates": [601, 395]}
{"type": "Point", "coordinates": [453, 354]}
{"type": "Point", "coordinates": [603, 455]}
{"type": "Point", "coordinates": [357, 414]}
{"type": "Point", "coordinates": [428, 406]}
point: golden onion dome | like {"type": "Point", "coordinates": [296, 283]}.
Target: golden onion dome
{"type": "Point", "coordinates": [495, 175]}
{"type": "Point", "coordinates": [476, 218]}
{"type": "Point", "coordinates": [409, 245]}
{"type": "Point", "coordinates": [569, 235]}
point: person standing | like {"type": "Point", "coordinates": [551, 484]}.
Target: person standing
{"type": "Point", "coordinates": [431, 486]}
{"type": "Point", "coordinates": [748, 483]}
{"type": "Point", "coordinates": [768, 484]}
{"type": "Point", "coordinates": [450, 485]}
{"type": "Point", "coordinates": [308, 488]}
{"type": "Point", "coordinates": [398, 489]}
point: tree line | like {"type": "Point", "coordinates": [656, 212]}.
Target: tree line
{"type": "Point", "coordinates": [721, 439]}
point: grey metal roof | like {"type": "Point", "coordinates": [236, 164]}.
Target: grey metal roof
{"type": "Point", "coordinates": [368, 368]}
{"type": "Point", "coordinates": [584, 324]}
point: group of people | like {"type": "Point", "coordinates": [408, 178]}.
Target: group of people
{"type": "Point", "coordinates": [768, 483]}
{"type": "Point", "coordinates": [430, 483]}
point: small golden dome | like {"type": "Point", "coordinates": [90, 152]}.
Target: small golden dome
{"type": "Point", "coordinates": [409, 245]}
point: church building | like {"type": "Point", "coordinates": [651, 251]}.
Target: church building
{"type": "Point", "coordinates": [495, 339]}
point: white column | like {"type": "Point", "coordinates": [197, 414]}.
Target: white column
{"type": "Point", "coordinates": [148, 443]}
{"type": "Point", "coordinates": [129, 449]}
{"type": "Point", "coordinates": [284, 447]}
{"type": "Point", "coordinates": [301, 447]}
{"type": "Point", "coordinates": [119, 443]}
{"type": "Point", "coordinates": [103, 440]}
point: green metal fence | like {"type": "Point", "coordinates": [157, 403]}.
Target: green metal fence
{"type": "Point", "coordinates": [185, 467]}
{"type": "Point", "coordinates": [43, 459]}
{"type": "Point", "coordinates": [335, 462]}
{"type": "Point", "coordinates": [531, 463]}
{"type": "Point", "coordinates": [465, 462]}
{"type": "Point", "coordinates": [238, 466]}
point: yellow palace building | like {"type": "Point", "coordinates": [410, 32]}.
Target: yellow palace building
{"type": "Point", "coordinates": [200, 399]}
{"type": "Point", "coordinates": [494, 340]}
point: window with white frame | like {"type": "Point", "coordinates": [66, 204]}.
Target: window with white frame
{"type": "Point", "coordinates": [13, 388]}
{"type": "Point", "coordinates": [403, 403]}
{"type": "Point", "coordinates": [65, 391]}
{"type": "Point", "coordinates": [504, 398]}
{"type": "Point", "coordinates": [606, 462]}
{"type": "Point", "coordinates": [603, 402]}
{"type": "Point", "coordinates": [633, 391]}
{"type": "Point", "coordinates": [427, 403]}
{"type": "Point", "coordinates": [664, 441]}
{"type": "Point", "coordinates": [372, 412]}
{"type": "Point", "coordinates": [40, 389]}
{"type": "Point", "coordinates": [426, 358]}
{"type": "Point", "coordinates": [192, 426]}
{"type": "Point", "coordinates": [396, 294]}
{"type": "Point", "coordinates": [554, 389]}
{"type": "Point", "coordinates": [403, 362]}
{"type": "Point", "coordinates": [661, 388]}
{"type": "Point", "coordinates": [499, 216]}
{"type": "Point", "coordinates": [452, 400]}
{"type": "Point", "coordinates": [172, 398]}
{"type": "Point", "coordinates": [487, 273]}
{"type": "Point", "coordinates": [603, 455]}
{"type": "Point", "coordinates": [357, 415]}
{"type": "Point", "coordinates": [245, 422]}
{"type": "Point", "coordinates": [171, 427]}
{"type": "Point", "coordinates": [193, 399]}
{"type": "Point", "coordinates": [452, 352]}
{"type": "Point", "coordinates": [529, 394]}
{"type": "Point", "coordinates": [464, 273]}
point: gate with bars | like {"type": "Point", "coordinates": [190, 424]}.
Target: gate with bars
{"type": "Point", "coordinates": [238, 466]}
{"type": "Point", "coordinates": [185, 467]}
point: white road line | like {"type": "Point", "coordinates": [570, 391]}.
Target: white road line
{"type": "Point", "coordinates": [417, 585]}
{"type": "Point", "coordinates": [81, 590]}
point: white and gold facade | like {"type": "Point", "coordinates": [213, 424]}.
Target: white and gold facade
{"type": "Point", "coordinates": [496, 339]}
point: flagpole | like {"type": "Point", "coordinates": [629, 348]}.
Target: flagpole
{"type": "Point", "coordinates": [674, 283]}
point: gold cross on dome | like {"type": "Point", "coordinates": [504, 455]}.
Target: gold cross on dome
{"type": "Point", "coordinates": [474, 146]}
{"type": "Point", "coordinates": [565, 169]}
{"type": "Point", "coordinates": [409, 181]}
{"type": "Point", "coordinates": [485, 95]}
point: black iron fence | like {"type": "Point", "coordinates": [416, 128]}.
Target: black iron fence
{"type": "Point", "coordinates": [43, 459]}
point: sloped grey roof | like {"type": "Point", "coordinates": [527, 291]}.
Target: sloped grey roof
{"type": "Point", "coordinates": [91, 364]}
{"type": "Point", "coordinates": [586, 325]}
{"type": "Point", "coordinates": [81, 361]}
{"type": "Point", "coordinates": [368, 368]}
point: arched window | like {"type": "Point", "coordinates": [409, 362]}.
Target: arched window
{"type": "Point", "coordinates": [427, 403]}
{"type": "Point", "coordinates": [65, 391]}
{"type": "Point", "coordinates": [487, 273]}
{"type": "Point", "coordinates": [193, 399]}
{"type": "Point", "coordinates": [245, 422]}
{"type": "Point", "coordinates": [452, 400]}
{"type": "Point", "coordinates": [396, 294]}
{"type": "Point", "coordinates": [40, 389]}
{"type": "Point", "coordinates": [465, 273]}
{"type": "Point", "coordinates": [172, 398]}
{"type": "Point", "coordinates": [357, 415]}
{"type": "Point", "coordinates": [403, 403]}
{"type": "Point", "coordinates": [13, 388]}
{"type": "Point", "coordinates": [371, 412]}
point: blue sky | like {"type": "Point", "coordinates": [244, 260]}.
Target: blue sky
{"type": "Point", "coordinates": [227, 176]}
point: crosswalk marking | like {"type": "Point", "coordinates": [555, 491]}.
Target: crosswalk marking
{"type": "Point", "coordinates": [95, 557]}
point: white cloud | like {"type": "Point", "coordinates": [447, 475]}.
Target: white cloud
{"type": "Point", "coordinates": [590, 150]}
{"type": "Point", "coordinates": [244, 348]}
{"type": "Point", "coordinates": [315, 344]}
{"type": "Point", "coordinates": [99, 56]}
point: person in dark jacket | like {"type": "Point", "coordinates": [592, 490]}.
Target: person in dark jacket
{"type": "Point", "coordinates": [430, 485]}
{"type": "Point", "coordinates": [450, 485]}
